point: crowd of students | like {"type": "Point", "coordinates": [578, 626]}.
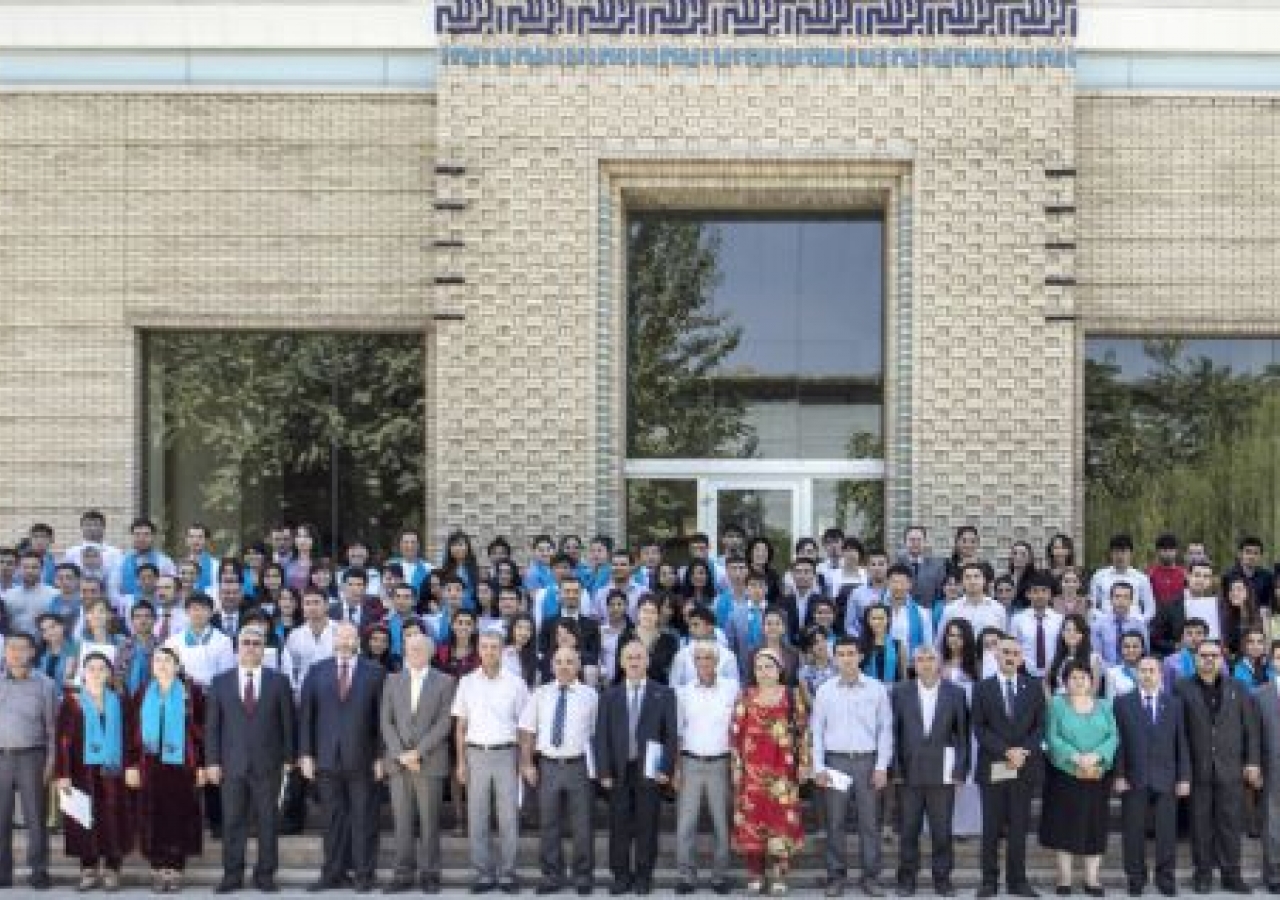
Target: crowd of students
{"type": "Point", "coordinates": [892, 689]}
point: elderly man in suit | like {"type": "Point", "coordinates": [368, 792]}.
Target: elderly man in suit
{"type": "Point", "coordinates": [249, 745]}
{"type": "Point", "coordinates": [634, 714]}
{"type": "Point", "coordinates": [1222, 733]}
{"type": "Point", "coordinates": [339, 749]}
{"type": "Point", "coordinates": [1268, 697]}
{"type": "Point", "coordinates": [416, 725]}
{"type": "Point", "coordinates": [1153, 769]}
{"type": "Point", "coordinates": [1008, 722]}
{"type": "Point", "coordinates": [931, 750]}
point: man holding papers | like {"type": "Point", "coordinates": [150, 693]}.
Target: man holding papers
{"type": "Point", "coordinates": [635, 714]}
{"type": "Point", "coordinates": [1008, 722]}
{"type": "Point", "coordinates": [931, 740]}
{"type": "Point", "coordinates": [556, 728]}
{"type": "Point", "coordinates": [852, 737]}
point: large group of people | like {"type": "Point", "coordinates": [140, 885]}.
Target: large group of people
{"type": "Point", "coordinates": [146, 696]}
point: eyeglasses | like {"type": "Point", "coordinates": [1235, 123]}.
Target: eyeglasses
{"type": "Point", "coordinates": [250, 642]}
{"type": "Point", "coordinates": [1209, 655]}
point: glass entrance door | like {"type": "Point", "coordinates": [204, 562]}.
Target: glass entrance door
{"type": "Point", "coordinates": [763, 508]}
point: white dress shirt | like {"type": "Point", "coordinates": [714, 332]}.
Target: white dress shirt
{"type": "Point", "coordinates": [306, 648]}
{"type": "Point", "coordinates": [491, 706]}
{"type": "Point", "coordinates": [205, 657]}
{"type": "Point", "coordinates": [1144, 599]}
{"type": "Point", "coordinates": [1023, 628]}
{"type": "Point", "coordinates": [986, 613]}
{"type": "Point", "coordinates": [705, 716]}
{"type": "Point", "coordinates": [683, 671]}
{"type": "Point", "coordinates": [539, 715]}
{"type": "Point", "coordinates": [257, 681]}
{"type": "Point", "coordinates": [928, 704]}
{"type": "Point", "coordinates": [417, 678]}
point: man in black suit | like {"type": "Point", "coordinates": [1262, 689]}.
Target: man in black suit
{"type": "Point", "coordinates": [338, 744]}
{"type": "Point", "coordinates": [569, 589]}
{"type": "Point", "coordinates": [1226, 753]}
{"type": "Point", "coordinates": [249, 745]}
{"type": "Point", "coordinates": [355, 606]}
{"type": "Point", "coordinates": [634, 714]}
{"type": "Point", "coordinates": [931, 750]}
{"type": "Point", "coordinates": [1153, 769]}
{"type": "Point", "coordinates": [1008, 723]}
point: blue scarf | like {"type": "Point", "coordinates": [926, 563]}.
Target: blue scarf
{"type": "Point", "coordinates": [139, 668]}
{"type": "Point", "coordinates": [166, 716]}
{"type": "Point", "coordinates": [1244, 673]}
{"type": "Point", "coordinates": [890, 673]}
{"type": "Point", "coordinates": [550, 603]}
{"type": "Point", "coordinates": [1186, 662]}
{"type": "Point", "coordinates": [538, 576]}
{"type": "Point", "coordinates": [103, 734]}
{"type": "Point", "coordinates": [593, 579]}
{"type": "Point", "coordinates": [725, 605]}
{"type": "Point", "coordinates": [208, 568]}
{"type": "Point", "coordinates": [915, 626]}
{"type": "Point", "coordinates": [395, 627]}
{"type": "Point", "coordinates": [129, 570]}
{"type": "Point", "coordinates": [191, 639]}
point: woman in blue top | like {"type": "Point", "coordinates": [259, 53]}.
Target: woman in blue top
{"type": "Point", "coordinates": [1081, 741]}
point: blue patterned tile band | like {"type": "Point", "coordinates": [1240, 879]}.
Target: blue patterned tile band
{"type": "Point", "coordinates": [868, 18]}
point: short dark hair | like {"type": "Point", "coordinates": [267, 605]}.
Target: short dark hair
{"type": "Point", "coordinates": [200, 599]}
{"type": "Point", "coordinates": [1167, 541]}
{"type": "Point", "coordinates": [702, 614]}
{"type": "Point", "coordinates": [92, 515]}
{"type": "Point", "coordinates": [758, 577]}
{"type": "Point", "coordinates": [1250, 541]}
{"type": "Point", "coordinates": [846, 640]}
{"type": "Point", "coordinates": [899, 569]}
{"type": "Point", "coordinates": [354, 574]}
{"type": "Point", "coordinates": [142, 522]}
{"type": "Point", "coordinates": [142, 606]}
{"type": "Point", "coordinates": [1120, 542]}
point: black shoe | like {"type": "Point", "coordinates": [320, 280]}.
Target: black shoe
{"type": "Point", "coordinates": [430, 884]}
{"type": "Point", "coordinates": [1062, 890]}
{"type": "Point", "coordinates": [723, 888]}
{"type": "Point", "coordinates": [906, 888]}
{"type": "Point", "coordinates": [510, 887]}
{"type": "Point", "coordinates": [266, 885]}
{"type": "Point", "coordinates": [548, 887]}
{"type": "Point", "coordinates": [871, 887]}
{"type": "Point", "coordinates": [643, 886]}
{"type": "Point", "coordinates": [324, 884]}
{"type": "Point", "coordinates": [1202, 885]}
{"type": "Point", "coordinates": [1273, 887]}
{"type": "Point", "coordinates": [944, 889]}
{"type": "Point", "coordinates": [229, 886]}
{"type": "Point", "coordinates": [1167, 888]}
{"type": "Point", "coordinates": [6, 882]}
{"type": "Point", "coordinates": [364, 884]}
{"type": "Point", "coordinates": [618, 888]}
{"type": "Point", "coordinates": [684, 888]}
{"type": "Point", "coordinates": [1094, 890]}
{"type": "Point", "coordinates": [986, 890]}
{"type": "Point", "coordinates": [400, 885]}
{"type": "Point", "coordinates": [1136, 888]}
{"type": "Point", "coordinates": [1024, 890]}
{"type": "Point", "coordinates": [484, 887]}
{"type": "Point", "coordinates": [39, 881]}
{"type": "Point", "coordinates": [1236, 886]}
{"type": "Point", "coordinates": [584, 890]}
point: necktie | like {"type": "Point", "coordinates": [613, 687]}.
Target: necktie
{"type": "Point", "coordinates": [1151, 708]}
{"type": "Point", "coordinates": [1119, 637]}
{"type": "Point", "coordinates": [164, 626]}
{"type": "Point", "coordinates": [557, 720]}
{"type": "Point", "coordinates": [344, 680]}
{"type": "Point", "coordinates": [352, 613]}
{"type": "Point", "coordinates": [415, 691]}
{"type": "Point", "coordinates": [1042, 651]}
{"type": "Point", "coordinates": [250, 696]}
{"type": "Point", "coordinates": [633, 723]}
{"type": "Point", "coordinates": [1009, 697]}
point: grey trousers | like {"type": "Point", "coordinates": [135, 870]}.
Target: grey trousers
{"type": "Point", "coordinates": [564, 791]}
{"type": "Point", "coordinates": [710, 779]}
{"type": "Point", "coordinates": [22, 772]}
{"type": "Point", "coordinates": [864, 798]}
{"type": "Point", "coordinates": [416, 795]}
{"type": "Point", "coordinates": [1270, 802]}
{"type": "Point", "coordinates": [492, 779]}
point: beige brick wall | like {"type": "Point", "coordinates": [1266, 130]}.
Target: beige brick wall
{"type": "Point", "coordinates": [124, 211]}
{"type": "Point", "coordinates": [1179, 213]}
{"type": "Point", "coordinates": [990, 428]}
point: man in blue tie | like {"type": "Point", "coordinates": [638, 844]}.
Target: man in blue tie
{"type": "Point", "coordinates": [1153, 769]}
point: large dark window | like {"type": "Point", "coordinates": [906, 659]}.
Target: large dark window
{"type": "Point", "coordinates": [756, 337]}
{"type": "Point", "coordinates": [1182, 435]}
{"type": "Point", "coordinates": [248, 428]}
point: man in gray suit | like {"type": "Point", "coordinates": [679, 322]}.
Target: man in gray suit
{"type": "Point", "coordinates": [931, 750]}
{"type": "Point", "coordinates": [928, 572]}
{"type": "Point", "coordinates": [1268, 697]}
{"type": "Point", "coordinates": [416, 725]}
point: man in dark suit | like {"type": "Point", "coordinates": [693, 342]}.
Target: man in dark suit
{"type": "Point", "coordinates": [338, 745]}
{"type": "Point", "coordinates": [799, 603]}
{"type": "Point", "coordinates": [249, 745]}
{"type": "Point", "coordinates": [355, 606]}
{"type": "Point", "coordinates": [634, 714]}
{"type": "Point", "coordinates": [1153, 769]}
{"type": "Point", "coordinates": [570, 593]}
{"type": "Point", "coordinates": [1226, 754]}
{"type": "Point", "coordinates": [928, 572]}
{"type": "Point", "coordinates": [931, 750]}
{"type": "Point", "coordinates": [1008, 723]}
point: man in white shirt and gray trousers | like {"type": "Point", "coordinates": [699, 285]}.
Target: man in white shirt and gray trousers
{"type": "Point", "coordinates": [556, 729]}
{"type": "Point", "coordinates": [705, 715]}
{"type": "Point", "coordinates": [487, 706]}
{"type": "Point", "coordinates": [852, 727]}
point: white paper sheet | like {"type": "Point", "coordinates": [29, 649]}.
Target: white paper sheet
{"type": "Point", "coordinates": [948, 764]}
{"type": "Point", "coordinates": [77, 805]}
{"type": "Point", "coordinates": [1002, 772]}
{"type": "Point", "coordinates": [652, 759]}
{"type": "Point", "coordinates": [839, 780]}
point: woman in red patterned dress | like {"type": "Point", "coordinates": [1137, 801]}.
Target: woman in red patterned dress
{"type": "Point", "coordinates": [770, 759]}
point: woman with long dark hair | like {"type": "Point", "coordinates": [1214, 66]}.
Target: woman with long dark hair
{"type": "Point", "coordinates": [1074, 645]}
{"type": "Point", "coordinates": [661, 644]}
{"type": "Point", "coordinates": [520, 653]}
{"type": "Point", "coordinates": [760, 561]}
{"type": "Point", "coordinates": [884, 657]}
{"type": "Point", "coordinates": [1022, 565]}
{"type": "Point", "coordinates": [699, 583]}
{"type": "Point", "coordinates": [459, 560]}
{"type": "Point", "coordinates": [459, 655]}
{"type": "Point", "coordinates": [1059, 555]}
{"type": "Point", "coordinates": [1238, 612]}
{"type": "Point", "coordinates": [306, 554]}
{"type": "Point", "coordinates": [960, 666]}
